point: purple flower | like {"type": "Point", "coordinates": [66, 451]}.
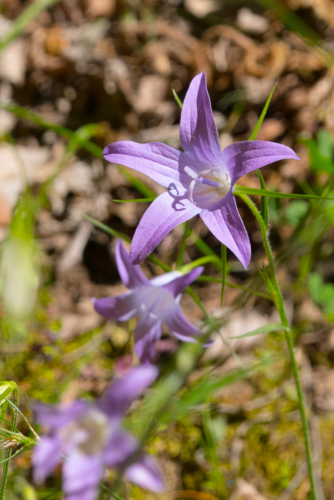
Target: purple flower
{"type": "Point", "coordinates": [199, 180]}
{"type": "Point", "coordinates": [155, 301]}
{"type": "Point", "coordinates": [89, 437]}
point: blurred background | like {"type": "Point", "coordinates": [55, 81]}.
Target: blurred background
{"type": "Point", "coordinates": [76, 75]}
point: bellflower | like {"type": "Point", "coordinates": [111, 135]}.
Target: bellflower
{"type": "Point", "coordinates": [155, 301]}
{"type": "Point", "coordinates": [89, 437]}
{"type": "Point", "coordinates": [200, 180]}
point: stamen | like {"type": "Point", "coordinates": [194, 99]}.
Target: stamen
{"type": "Point", "coordinates": [209, 182]}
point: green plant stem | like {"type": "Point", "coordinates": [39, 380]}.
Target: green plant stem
{"type": "Point", "coordinates": [278, 299]}
{"type": "Point", "coordinates": [9, 451]}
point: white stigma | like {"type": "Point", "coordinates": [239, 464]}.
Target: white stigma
{"type": "Point", "coordinates": [88, 433]}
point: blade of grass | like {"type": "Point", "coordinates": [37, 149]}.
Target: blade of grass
{"type": "Point", "coordinates": [136, 183]}
{"type": "Point", "coordinates": [25, 114]}
{"type": "Point", "coordinates": [269, 328]}
{"type": "Point", "coordinates": [83, 133]}
{"type": "Point", "coordinates": [116, 234]}
{"type": "Point", "coordinates": [24, 19]}
{"type": "Point", "coordinates": [183, 245]}
{"type": "Point", "coordinates": [224, 271]}
{"type": "Point", "coordinates": [210, 279]}
{"type": "Point", "coordinates": [291, 20]}
{"type": "Point", "coordinates": [264, 200]}
{"type": "Point", "coordinates": [262, 116]}
{"type": "Point", "coordinates": [177, 99]}
{"type": "Point", "coordinates": [241, 190]}
{"type": "Point", "coordinates": [8, 456]}
{"type": "Point", "coordinates": [198, 262]}
{"type": "Point", "coordinates": [70, 135]}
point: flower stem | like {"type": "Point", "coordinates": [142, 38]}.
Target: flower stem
{"type": "Point", "coordinates": [9, 451]}
{"type": "Point", "coordinates": [278, 299]}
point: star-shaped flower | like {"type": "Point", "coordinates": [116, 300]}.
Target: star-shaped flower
{"type": "Point", "coordinates": [89, 437]}
{"type": "Point", "coordinates": [155, 301]}
{"type": "Point", "coordinates": [199, 180]}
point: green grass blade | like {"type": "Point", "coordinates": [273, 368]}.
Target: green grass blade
{"type": "Point", "coordinates": [183, 245]}
{"type": "Point", "coordinates": [104, 487]}
{"type": "Point", "coordinates": [83, 133]}
{"type": "Point", "coordinates": [199, 394]}
{"type": "Point", "coordinates": [177, 99]}
{"type": "Point", "coordinates": [240, 190]}
{"type": "Point", "coordinates": [269, 328]}
{"type": "Point", "coordinates": [107, 229]}
{"type": "Point", "coordinates": [262, 116]}
{"type": "Point", "coordinates": [211, 279]}
{"type": "Point", "coordinates": [264, 200]}
{"type": "Point", "coordinates": [224, 272]}
{"type": "Point", "coordinates": [15, 395]}
{"type": "Point", "coordinates": [318, 161]}
{"type": "Point", "coordinates": [58, 129]}
{"type": "Point", "coordinates": [291, 20]}
{"type": "Point", "coordinates": [6, 389]}
{"type": "Point", "coordinates": [70, 135]}
{"type": "Point", "coordinates": [116, 234]}
{"type": "Point", "coordinates": [198, 262]}
{"type": "Point", "coordinates": [198, 302]}
{"type": "Point", "coordinates": [204, 247]}
{"type": "Point", "coordinates": [24, 19]}
{"type": "Point", "coordinates": [136, 183]}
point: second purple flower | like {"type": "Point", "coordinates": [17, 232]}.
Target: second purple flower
{"type": "Point", "coordinates": [154, 301]}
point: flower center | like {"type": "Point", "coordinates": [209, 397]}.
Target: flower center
{"type": "Point", "coordinates": [88, 433]}
{"type": "Point", "coordinates": [155, 302]}
{"type": "Point", "coordinates": [208, 187]}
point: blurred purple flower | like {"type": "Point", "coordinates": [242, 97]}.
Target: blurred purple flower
{"type": "Point", "coordinates": [89, 437]}
{"type": "Point", "coordinates": [155, 301]}
{"type": "Point", "coordinates": [200, 180]}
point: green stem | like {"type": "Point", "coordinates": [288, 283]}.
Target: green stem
{"type": "Point", "coordinates": [281, 310]}
{"type": "Point", "coordinates": [9, 451]}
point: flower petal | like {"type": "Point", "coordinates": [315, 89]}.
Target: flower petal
{"type": "Point", "coordinates": [146, 339]}
{"type": "Point", "coordinates": [146, 474]}
{"type": "Point", "coordinates": [165, 278]}
{"type": "Point", "coordinates": [88, 494]}
{"type": "Point", "coordinates": [120, 394]}
{"type": "Point", "coordinates": [119, 449]}
{"type": "Point", "coordinates": [157, 160]}
{"type": "Point", "coordinates": [130, 275]}
{"type": "Point", "coordinates": [46, 457]}
{"type": "Point", "coordinates": [81, 476]}
{"type": "Point", "coordinates": [198, 131]}
{"type": "Point", "coordinates": [178, 285]}
{"type": "Point", "coordinates": [166, 212]}
{"type": "Point", "coordinates": [121, 308]}
{"type": "Point", "coordinates": [181, 327]}
{"type": "Point", "coordinates": [227, 226]}
{"type": "Point", "coordinates": [243, 157]}
{"type": "Point", "coordinates": [56, 417]}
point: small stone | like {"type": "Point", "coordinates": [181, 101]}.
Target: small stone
{"type": "Point", "coordinates": [251, 23]}
{"type": "Point", "coordinates": [201, 8]}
